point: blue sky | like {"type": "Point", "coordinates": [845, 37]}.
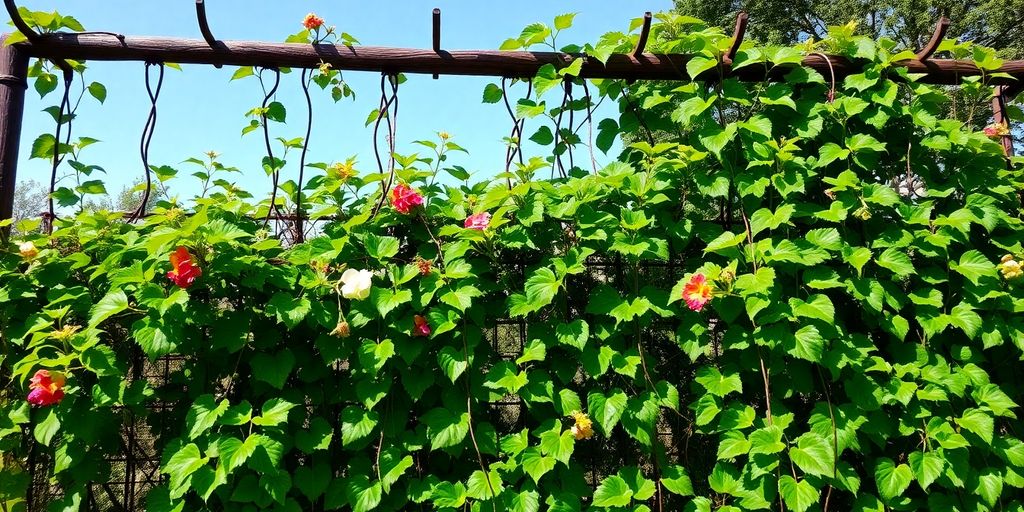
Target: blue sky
{"type": "Point", "coordinates": [200, 110]}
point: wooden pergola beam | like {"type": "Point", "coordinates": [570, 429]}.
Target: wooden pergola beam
{"type": "Point", "coordinates": [513, 64]}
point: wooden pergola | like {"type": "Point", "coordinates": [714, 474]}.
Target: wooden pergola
{"type": "Point", "coordinates": [637, 65]}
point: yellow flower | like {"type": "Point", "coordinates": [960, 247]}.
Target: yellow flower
{"type": "Point", "coordinates": [444, 135]}
{"type": "Point", "coordinates": [584, 427]}
{"type": "Point", "coordinates": [66, 333]}
{"type": "Point", "coordinates": [325, 67]}
{"type": "Point", "coordinates": [1010, 268]}
{"type": "Point", "coordinates": [344, 171]}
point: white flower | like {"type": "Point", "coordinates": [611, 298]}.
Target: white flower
{"type": "Point", "coordinates": [356, 284]}
{"type": "Point", "coordinates": [28, 250]}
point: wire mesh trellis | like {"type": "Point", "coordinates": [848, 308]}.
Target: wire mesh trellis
{"type": "Point", "coordinates": [134, 467]}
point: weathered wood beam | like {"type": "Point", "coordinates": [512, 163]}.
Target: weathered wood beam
{"type": "Point", "coordinates": [645, 66]}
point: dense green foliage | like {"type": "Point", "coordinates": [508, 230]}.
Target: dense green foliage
{"type": "Point", "coordinates": [860, 350]}
{"type": "Point", "coordinates": [995, 23]}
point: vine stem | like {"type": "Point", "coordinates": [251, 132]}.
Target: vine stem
{"type": "Point", "coordinates": [472, 432]}
{"type": "Point", "coordinates": [275, 175]}
{"type": "Point", "coordinates": [147, 138]}
{"type": "Point", "coordinates": [64, 104]}
{"type": "Point", "coordinates": [835, 437]}
{"type": "Point", "coordinates": [390, 111]}
{"type": "Point", "coordinates": [299, 231]}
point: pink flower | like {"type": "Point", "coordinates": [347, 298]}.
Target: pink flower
{"type": "Point", "coordinates": [404, 198]}
{"type": "Point", "coordinates": [479, 221]}
{"type": "Point", "coordinates": [183, 272]}
{"type": "Point", "coordinates": [697, 292]}
{"type": "Point", "coordinates": [420, 326]}
{"type": "Point", "coordinates": [46, 388]}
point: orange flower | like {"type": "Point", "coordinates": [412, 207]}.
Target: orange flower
{"type": "Point", "coordinates": [46, 388]}
{"type": "Point", "coordinates": [697, 292]}
{"type": "Point", "coordinates": [183, 271]}
{"type": "Point", "coordinates": [312, 21]}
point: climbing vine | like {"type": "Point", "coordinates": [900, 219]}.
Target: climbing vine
{"type": "Point", "coordinates": [801, 294]}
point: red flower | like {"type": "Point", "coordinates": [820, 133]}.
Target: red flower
{"type": "Point", "coordinates": [312, 21]}
{"type": "Point", "coordinates": [404, 199]}
{"type": "Point", "coordinates": [183, 272]}
{"type": "Point", "coordinates": [421, 327]}
{"type": "Point", "coordinates": [697, 292]}
{"type": "Point", "coordinates": [479, 221]}
{"type": "Point", "coordinates": [46, 388]}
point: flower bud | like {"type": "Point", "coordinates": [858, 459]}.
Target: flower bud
{"type": "Point", "coordinates": [341, 330]}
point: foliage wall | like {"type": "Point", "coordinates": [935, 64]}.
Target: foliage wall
{"type": "Point", "coordinates": [812, 287]}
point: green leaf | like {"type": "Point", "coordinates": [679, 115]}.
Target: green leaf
{"type": "Point", "coordinates": [557, 444]}
{"type": "Point", "coordinates": [275, 412]}
{"type": "Point", "coordinates": [564, 21]}
{"type": "Point", "coordinates": [963, 316]}
{"type": "Point", "coordinates": [977, 422]}
{"type": "Point", "coordinates": [896, 261]}
{"type": "Point", "coordinates": [816, 306]}
{"type": "Point", "coordinates": [677, 481]}
{"type": "Point", "coordinates": [114, 302]}
{"type": "Point", "coordinates": [535, 464]}
{"type": "Point", "coordinates": [892, 480]}
{"type": "Point", "coordinates": [606, 410]}
{"type": "Point", "coordinates": [927, 467]}
{"type": "Point", "coordinates": [809, 344]}
{"type": "Point", "coordinates": [242, 72]}
{"type": "Point", "coordinates": [357, 424]}
{"type": "Point", "coordinates": [990, 486]}
{"type": "Point", "coordinates": [203, 414]}
{"type": "Point", "coordinates": [362, 494]}
{"type": "Point", "coordinates": [445, 429]}
{"type": "Point", "coordinates": [813, 455]}
{"type": "Point", "coordinates": [799, 496]}
{"type": "Point", "coordinates": [183, 463]}
{"type": "Point", "coordinates": [717, 383]}
{"type": "Point", "coordinates": [973, 265]}
{"type": "Point", "coordinates": [613, 492]}
{"type": "Point", "coordinates": [574, 334]}
{"type": "Point", "coordinates": [484, 486]}
{"type": "Point", "coordinates": [98, 91]}
{"type": "Point", "coordinates": [381, 248]}
{"type": "Point", "coordinates": [453, 362]}
{"type": "Point", "coordinates": [492, 93]}
{"type": "Point", "coordinates": [234, 453]}
{"type": "Point", "coordinates": [287, 309]}
{"type": "Point", "coordinates": [273, 369]}
{"type": "Point", "coordinates": [47, 428]}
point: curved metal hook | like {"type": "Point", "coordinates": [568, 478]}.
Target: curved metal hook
{"type": "Point", "coordinates": [645, 32]}
{"type": "Point", "coordinates": [204, 27]}
{"type": "Point", "coordinates": [935, 41]}
{"type": "Point", "coordinates": [737, 36]}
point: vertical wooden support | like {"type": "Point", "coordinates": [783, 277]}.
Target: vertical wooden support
{"type": "Point", "coordinates": [1000, 117]}
{"type": "Point", "coordinates": [13, 82]}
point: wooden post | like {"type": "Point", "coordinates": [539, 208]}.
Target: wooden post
{"type": "Point", "coordinates": [13, 82]}
{"type": "Point", "coordinates": [1000, 117]}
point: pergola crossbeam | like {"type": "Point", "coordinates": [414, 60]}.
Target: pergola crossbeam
{"type": "Point", "coordinates": [512, 64]}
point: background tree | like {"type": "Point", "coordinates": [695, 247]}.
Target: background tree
{"type": "Point", "coordinates": [995, 23]}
